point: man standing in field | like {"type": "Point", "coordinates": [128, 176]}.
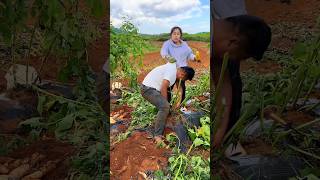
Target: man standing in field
{"type": "Point", "coordinates": [154, 89]}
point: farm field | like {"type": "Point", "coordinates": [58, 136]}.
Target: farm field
{"type": "Point", "coordinates": [279, 125]}
{"type": "Point", "coordinates": [133, 153]}
{"type": "Point", "coordinates": [52, 127]}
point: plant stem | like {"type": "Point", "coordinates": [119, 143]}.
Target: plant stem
{"type": "Point", "coordinates": [294, 130]}
{"type": "Point", "coordinates": [218, 115]}
{"type": "Point", "coordinates": [12, 54]}
{"type": "Point", "coordinates": [61, 97]}
{"type": "Point", "coordinates": [304, 152]}
{"type": "Point", "coordinates": [177, 173]}
{"type": "Point", "coordinates": [310, 89]}
{"type": "Point", "coordinates": [28, 55]}
{"type": "Point", "coordinates": [189, 150]}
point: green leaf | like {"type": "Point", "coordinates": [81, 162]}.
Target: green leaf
{"type": "Point", "coordinates": [314, 71]}
{"type": "Point", "coordinates": [41, 100]}
{"type": "Point", "coordinates": [100, 147]}
{"type": "Point", "coordinates": [6, 32]}
{"type": "Point", "coordinates": [192, 134]}
{"type": "Point", "coordinates": [300, 51]}
{"type": "Point", "coordinates": [65, 123]}
{"type": "Point", "coordinates": [205, 120]}
{"type": "Point", "coordinates": [33, 123]}
{"type": "Point", "coordinates": [97, 7]}
{"type": "Point", "coordinates": [198, 142]}
{"type": "Point", "coordinates": [54, 8]}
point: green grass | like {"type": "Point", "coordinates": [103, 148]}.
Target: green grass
{"type": "Point", "coordinates": [150, 47]}
{"type": "Point", "coordinates": [204, 37]}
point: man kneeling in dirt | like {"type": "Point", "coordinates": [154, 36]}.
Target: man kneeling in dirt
{"type": "Point", "coordinates": [154, 89]}
{"type": "Point", "coordinates": [242, 37]}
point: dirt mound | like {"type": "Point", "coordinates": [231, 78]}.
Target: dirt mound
{"type": "Point", "coordinates": [122, 112]}
{"type": "Point", "coordinates": [298, 11]}
{"type": "Point", "coordinates": [120, 119]}
{"type": "Point", "coordinates": [297, 118]}
{"type": "Point", "coordinates": [136, 154]}
{"type": "Point", "coordinates": [49, 156]}
{"type": "Point", "coordinates": [263, 67]}
{"type": "Point", "coordinates": [204, 51]}
{"type": "Point", "coordinates": [257, 147]}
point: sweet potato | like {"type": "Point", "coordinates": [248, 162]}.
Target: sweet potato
{"type": "Point", "coordinates": [50, 165]}
{"type": "Point", "coordinates": [3, 169]}
{"type": "Point", "coordinates": [20, 171]}
{"type": "Point", "coordinates": [35, 158]}
{"type": "Point", "coordinates": [35, 175]}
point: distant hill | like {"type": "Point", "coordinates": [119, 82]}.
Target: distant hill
{"type": "Point", "coordinates": [201, 36]}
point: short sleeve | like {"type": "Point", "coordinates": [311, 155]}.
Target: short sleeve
{"type": "Point", "coordinates": [170, 75]}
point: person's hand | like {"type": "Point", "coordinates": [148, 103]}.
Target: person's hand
{"type": "Point", "coordinates": [176, 107]}
{"type": "Point", "coordinates": [197, 57]}
{"type": "Point", "coordinates": [170, 59]}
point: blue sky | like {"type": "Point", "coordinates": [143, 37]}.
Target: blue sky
{"type": "Point", "coordinates": [158, 16]}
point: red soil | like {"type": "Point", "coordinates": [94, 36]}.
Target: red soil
{"type": "Point", "coordinates": [136, 154]}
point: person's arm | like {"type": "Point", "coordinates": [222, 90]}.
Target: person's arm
{"type": "Point", "coordinates": [164, 50]}
{"type": "Point", "coordinates": [225, 95]}
{"type": "Point", "coordinates": [191, 56]}
{"type": "Point", "coordinates": [164, 88]}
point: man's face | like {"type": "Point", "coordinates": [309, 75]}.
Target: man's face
{"type": "Point", "coordinates": [175, 36]}
{"type": "Point", "coordinates": [181, 75]}
{"type": "Point", "coordinates": [226, 40]}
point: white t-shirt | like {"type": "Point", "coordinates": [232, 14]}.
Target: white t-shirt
{"type": "Point", "coordinates": [155, 77]}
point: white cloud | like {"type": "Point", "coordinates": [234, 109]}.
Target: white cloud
{"type": "Point", "coordinates": [163, 13]}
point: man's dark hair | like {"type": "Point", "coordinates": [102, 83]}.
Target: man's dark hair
{"type": "Point", "coordinates": [189, 71]}
{"type": "Point", "coordinates": [174, 28]}
{"type": "Point", "coordinates": [256, 34]}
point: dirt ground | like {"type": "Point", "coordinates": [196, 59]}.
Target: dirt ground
{"type": "Point", "coordinates": [263, 67]}
{"type": "Point", "coordinates": [288, 22]}
{"type": "Point", "coordinates": [257, 147]}
{"type": "Point", "coordinates": [273, 11]}
{"type": "Point", "coordinates": [51, 154]}
{"type": "Point", "coordinates": [52, 150]}
{"type": "Point", "coordinates": [297, 118]}
{"type": "Point", "coordinates": [136, 156]}
{"type": "Point", "coordinates": [126, 157]}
